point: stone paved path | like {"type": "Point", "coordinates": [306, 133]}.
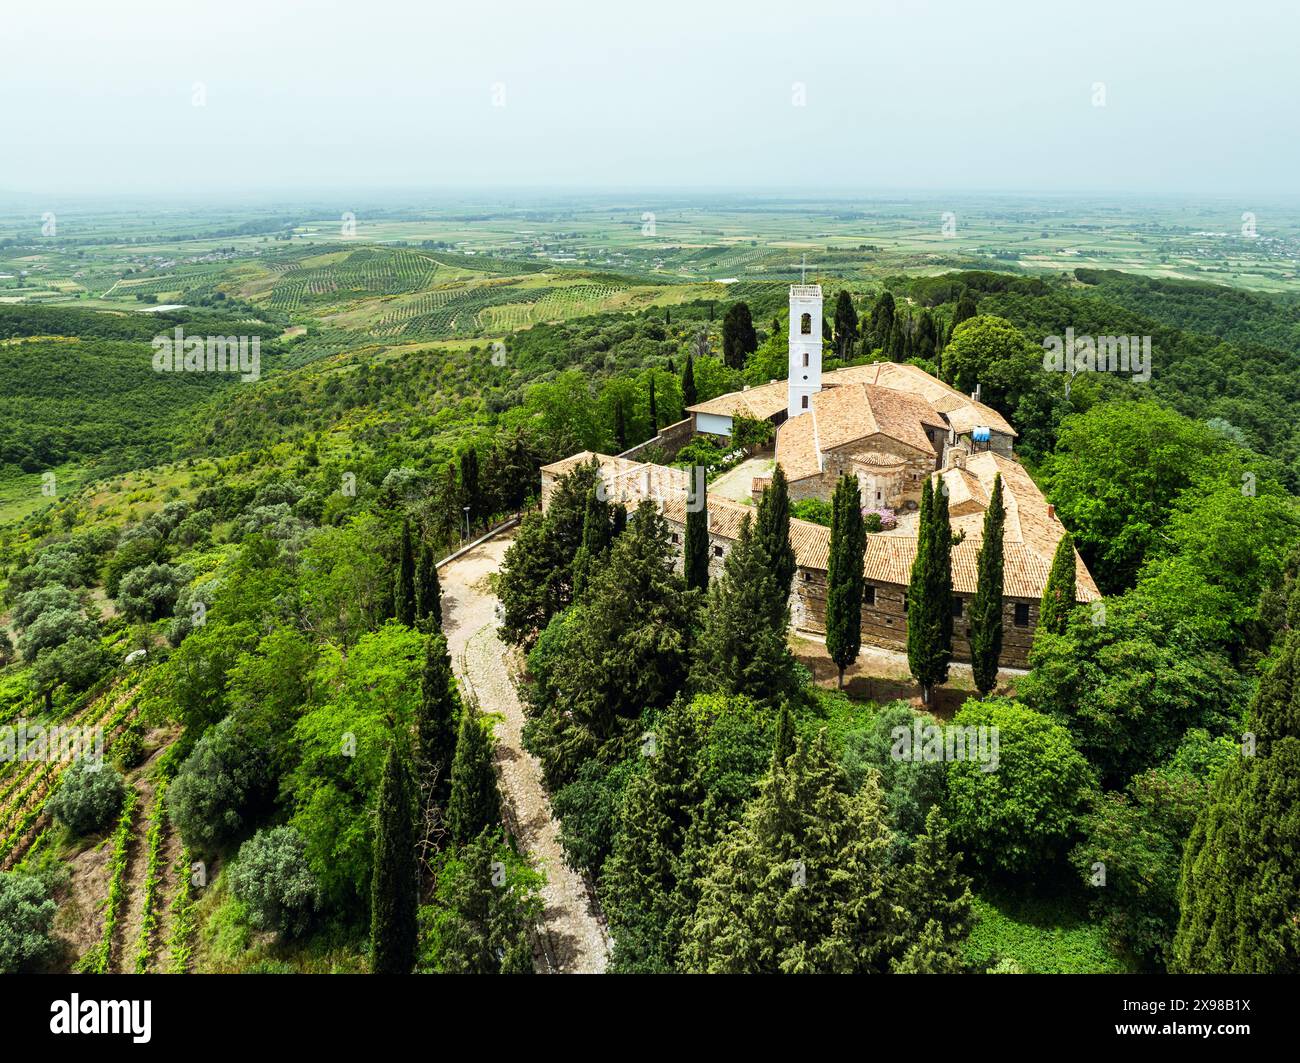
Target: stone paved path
{"type": "Point", "coordinates": [575, 935]}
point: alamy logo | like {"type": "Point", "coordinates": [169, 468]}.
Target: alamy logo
{"type": "Point", "coordinates": [27, 742]}
{"type": "Point", "coordinates": [132, 1017]}
{"type": "Point", "coordinates": [931, 743]}
{"type": "Point", "coordinates": [208, 354]}
{"type": "Point", "coordinates": [1102, 354]}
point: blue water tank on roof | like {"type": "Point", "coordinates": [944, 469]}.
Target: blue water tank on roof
{"type": "Point", "coordinates": [980, 433]}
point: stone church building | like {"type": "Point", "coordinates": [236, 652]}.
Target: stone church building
{"type": "Point", "coordinates": [890, 426]}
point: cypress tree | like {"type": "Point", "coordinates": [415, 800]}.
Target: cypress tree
{"type": "Point", "coordinates": [596, 536]}
{"type": "Point", "coordinates": [986, 606]}
{"type": "Point", "coordinates": [475, 802]}
{"type": "Point", "coordinates": [929, 595]}
{"type": "Point", "coordinates": [404, 607]}
{"type": "Point", "coordinates": [773, 532]}
{"type": "Point", "coordinates": [436, 721]}
{"type": "Point", "coordinates": [428, 590]}
{"type": "Point", "coordinates": [1060, 592]}
{"type": "Point", "coordinates": [394, 883]}
{"type": "Point", "coordinates": [882, 320]}
{"type": "Point", "coordinates": [739, 340]}
{"type": "Point", "coordinates": [846, 323]}
{"type": "Point", "coordinates": [844, 576]}
{"type": "Point", "coordinates": [618, 524]}
{"type": "Point", "coordinates": [689, 395]}
{"type": "Point", "coordinates": [695, 563]}
{"type": "Point", "coordinates": [784, 741]}
{"type": "Point", "coordinates": [620, 426]}
{"type": "Point", "coordinates": [469, 485]}
{"type": "Point", "coordinates": [654, 411]}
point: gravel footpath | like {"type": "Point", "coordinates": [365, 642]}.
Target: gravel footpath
{"type": "Point", "coordinates": [574, 935]}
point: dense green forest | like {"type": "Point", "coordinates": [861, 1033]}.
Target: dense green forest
{"type": "Point", "coordinates": [296, 731]}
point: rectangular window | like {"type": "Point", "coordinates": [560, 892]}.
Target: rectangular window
{"type": "Point", "coordinates": [956, 607]}
{"type": "Point", "coordinates": [805, 359]}
{"type": "Point", "coordinates": [868, 595]}
{"type": "Point", "coordinates": [804, 402]}
{"type": "Point", "coordinates": [717, 551]}
{"type": "Point", "coordinates": [676, 538]}
{"type": "Point", "coordinates": [1022, 614]}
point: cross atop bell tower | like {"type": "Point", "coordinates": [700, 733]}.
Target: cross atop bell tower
{"type": "Point", "coordinates": [805, 376]}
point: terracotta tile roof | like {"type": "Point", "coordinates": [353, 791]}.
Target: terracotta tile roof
{"type": "Point", "coordinates": [761, 402]}
{"type": "Point", "coordinates": [811, 542]}
{"type": "Point", "coordinates": [963, 412]}
{"type": "Point", "coordinates": [797, 449]}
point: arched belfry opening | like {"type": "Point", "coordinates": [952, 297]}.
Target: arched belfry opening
{"type": "Point", "coordinates": [805, 325]}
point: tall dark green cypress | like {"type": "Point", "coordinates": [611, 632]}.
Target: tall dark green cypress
{"type": "Point", "coordinates": [469, 486]}
{"type": "Point", "coordinates": [783, 742]}
{"type": "Point", "coordinates": [929, 595]}
{"type": "Point", "coordinates": [654, 410]}
{"type": "Point", "coordinates": [394, 883]}
{"type": "Point", "coordinates": [428, 590]}
{"type": "Point", "coordinates": [475, 802]}
{"type": "Point", "coordinates": [436, 721]}
{"type": "Point", "coordinates": [596, 535]}
{"type": "Point", "coordinates": [404, 606]}
{"type": "Point", "coordinates": [882, 320]}
{"type": "Point", "coordinates": [695, 563]}
{"type": "Point", "coordinates": [844, 576]}
{"type": "Point", "coordinates": [773, 532]}
{"type": "Point", "coordinates": [846, 323]}
{"type": "Point", "coordinates": [689, 395]}
{"type": "Point", "coordinates": [986, 606]}
{"type": "Point", "coordinates": [1061, 589]}
{"type": "Point", "coordinates": [620, 426]}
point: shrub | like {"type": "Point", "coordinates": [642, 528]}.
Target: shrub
{"type": "Point", "coordinates": [224, 784]}
{"type": "Point", "coordinates": [1026, 812]}
{"type": "Point", "coordinates": [26, 916]}
{"type": "Point", "coordinates": [89, 796]}
{"type": "Point", "coordinates": [274, 881]}
{"type": "Point", "coordinates": [128, 750]}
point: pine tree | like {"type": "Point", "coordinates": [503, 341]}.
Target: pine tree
{"type": "Point", "coordinates": [846, 323]}
{"type": "Point", "coordinates": [436, 721]}
{"type": "Point", "coordinates": [986, 606]}
{"type": "Point", "coordinates": [844, 576]}
{"type": "Point", "coordinates": [803, 883]}
{"type": "Point", "coordinates": [1239, 887]}
{"type": "Point", "coordinates": [929, 595]}
{"type": "Point", "coordinates": [742, 648]}
{"type": "Point", "coordinates": [695, 564]}
{"type": "Point", "coordinates": [404, 606]}
{"type": "Point", "coordinates": [428, 590]}
{"type": "Point", "coordinates": [773, 532]}
{"type": "Point", "coordinates": [480, 923]}
{"type": "Point", "coordinates": [937, 899]}
{"type": "Point", "coordinates": [475, 801]}
{"type": "Point", "coordinates": [1060, 591]}
{"type": "Point", "coordinates": [646, 898]}
{"type": "Point", "coordinates": [689, 394]}
{"type": "Point", "coordinates": [394, 884]}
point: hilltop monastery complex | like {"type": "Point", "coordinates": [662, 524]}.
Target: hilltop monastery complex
{"type": "Point", "coordinates": [890, 426]}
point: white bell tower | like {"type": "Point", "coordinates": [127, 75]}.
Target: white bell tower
{"type": "Point", "coordinates": [805, 378]}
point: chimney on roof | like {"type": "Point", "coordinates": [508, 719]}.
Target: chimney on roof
{"type": "Point", "coordinates": [976, 393]}
{"type": "Point", "coordinates": [1051, 511]}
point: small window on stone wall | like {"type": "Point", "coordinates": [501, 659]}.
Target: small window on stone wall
{"type": "Point", "coordinates": [717, 551]}
{"type": "Point", "coordinates": [1022, 614]}
{"type": "Point", "coordinates": [868, 595]}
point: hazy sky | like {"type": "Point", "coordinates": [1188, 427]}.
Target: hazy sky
{"type": "Point", "coordinates": [1201, 96]}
